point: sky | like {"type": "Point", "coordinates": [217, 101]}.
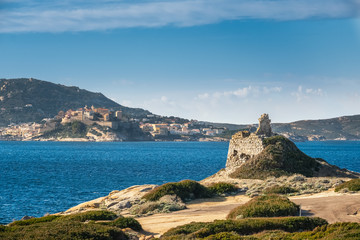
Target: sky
{"type": "Point", "coordinates": [211, 60]}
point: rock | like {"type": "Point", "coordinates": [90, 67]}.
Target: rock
{"type": "Point", "coordinates": [264, 126]}
{"type": "Point", "coordinates": [26, 217]}
{"type": "Point", "coordinates": [297, 178]}
{"type": "Point", "coordinates": [116, 201]}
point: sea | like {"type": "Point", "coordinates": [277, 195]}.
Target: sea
{"type": "Point", "coordinates": [48, 177]}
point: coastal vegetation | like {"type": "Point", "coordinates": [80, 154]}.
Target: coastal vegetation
{"type": "Point", "coordinates": [219, 229]}
{"type": "Point", "coordinates": [186, 190]}
{"type": "Point", "coordinates": [280, 157]}
{"type": "Point", "coordinates": [34, 220]}
{"type": "Point", "coordinates": [315, 228]}
{"type": "Point", "coordinates": [276, 189]}
{"type": "Point", "coordinates": [89, 215]}
{"type": "Point", "coordinates": [76, 226]}
{"type": "Point", "coordinates": [124, 222]}
{"type": "Point", "coordinates": [220, 188]}
{"type": "Point", "coordinates": [271, 205]}
{"type": "Point", "coordinates": [353, 185]}
{"type": "Point", "coordinates": [189, 189]}
{"type": "Point", "coordinates": [74, 129]}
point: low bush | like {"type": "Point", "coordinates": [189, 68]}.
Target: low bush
{"type": "Point", "coordinates": [127, 222]}
{"type": "Point", "coordinates": [280, 190]}
{"type": "Point", "coordinates": [345, 230]}
{"type": "Point", "coordinates": [163, 205]}
{"type": "Point", "coordinates": [243, 227]}
{"type": "Point", "coordinates": [353, 185]}
{"type": "Point", "coordinates": [186, 190]}
{"type": "Point", "coordinates": [271, 205]}
{"type": "Point", "coordinates": [90, 215]}
{"type": "Point", "coordinates": [3, 228]}
{"type": "Point", "coordinates": [222, 187]}
{"type": "Point", "coordinates": [225, 236]}
{"type": "Point", "coordinates": [34, 220]}
{"type": "Point", "coordinates": [65, 230]}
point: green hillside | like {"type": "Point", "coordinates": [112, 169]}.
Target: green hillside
{"type": "Point", "coordinates": [346, 128]}
{"type": "Point", "coordinates": [31, 100]}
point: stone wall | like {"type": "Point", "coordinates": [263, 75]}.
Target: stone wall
{"type": "Point", "coordinates": [243, 146]}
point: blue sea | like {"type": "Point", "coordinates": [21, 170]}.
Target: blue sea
{"type": "Point", "coordinates": [49, 177]}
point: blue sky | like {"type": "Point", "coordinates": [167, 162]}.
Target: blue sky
{"type": "Point", "coordinates": [223, 61]}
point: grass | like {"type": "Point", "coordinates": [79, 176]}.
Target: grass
{"type": "Point", "coordinates": [276, 189]}
{"type": "Point", "coordinates": [222, 188]}
{"type": "Point", "coordinates": [90, 215]}
{"type": "Point", "coordinates": [352, 185]}
{"type": "Point", "coordinates": [186, 190]}
{"type": "Point", "coordinates": [71, 227]}
{"type": "Point", "coordinates": [243, 227]}
{"type": "Point", "coordinates": [66, 230]}
{"type": "Point", "coordinates": [265, 206]}
{"type": "Point", "coordinates": [124, 222]}
{"type": "Point", "coordinates": [280, 157]}
{"type": "Point", "coordinates": [34, 220]}
{"type": "Point", "coordinates": [332, 231]}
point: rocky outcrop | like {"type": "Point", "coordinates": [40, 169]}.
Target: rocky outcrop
{"type": "Point", "coordinates": [245, 145]}
{"type": "Point", "coordinates": [263, 154]}
{"type": "Point", "coordinates": [116, 201]}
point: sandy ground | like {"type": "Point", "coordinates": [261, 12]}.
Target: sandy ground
{"type": "Point", "coordinates": [331, 206]}
{"type": "Point", "coordinates": [197, 211]}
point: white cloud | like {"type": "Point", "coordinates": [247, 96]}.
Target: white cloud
{"type": "Point", "coordinates": [203, 96]}
{"type": "Point", "coordinates": [242, 93]}
{"type": "Point", "coordinates": [78, 15]}
{"type": "Point", "coordinates": [302, 94]}
{"type": "Point", "coordinates": [164, 99]}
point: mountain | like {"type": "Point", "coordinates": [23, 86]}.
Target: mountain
{"type": "Point", "coordinates": [31, 100]}
{"type": "Point", "coordinates": [340, 128]}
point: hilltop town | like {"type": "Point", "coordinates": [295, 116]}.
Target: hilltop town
{"type": "Point", "coordinates": [102, 124]}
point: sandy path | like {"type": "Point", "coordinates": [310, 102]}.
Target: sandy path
{"type": "Point", "coordinates": [197, 211]}
{"type": "Point", "coordinates": [331, 206]}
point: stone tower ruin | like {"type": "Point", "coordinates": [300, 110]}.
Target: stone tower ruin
{"type": "Point", "coordinates": [245, 145]}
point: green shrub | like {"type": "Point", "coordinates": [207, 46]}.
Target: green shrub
{"type": "Point", "coordinates": [265, 206]}
{"type": "Point", "coordinates": [65, 230]}
{"type": "Point", "coordinates": [345, 230]}
{"type": "Point", "coordinates": [225, 236]}
{"type": "Point", "coordinates": [90, 215]}
{"type": "Point", "coordinates": [243, 227]}
{"type": "Point", "coordinates": [353, 185]}
{"type": "Point", "coordinates": [280, 190]}
{"type": "Point", "coordinates": [34, 220]}
{"type": "Point", "coordinates": [186, 190]}
{"type": "Point", "coordinates": [127, 222]}
{"type": "Point", "coordinates": [222, 187]}
{"type": "Point", "coordinates": [3, 228]}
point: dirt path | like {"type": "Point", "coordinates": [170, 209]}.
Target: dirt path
{"type": "Point", "coordinates": [197, 211]}
{"type": "Point", "coordinates": [331, 206]}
